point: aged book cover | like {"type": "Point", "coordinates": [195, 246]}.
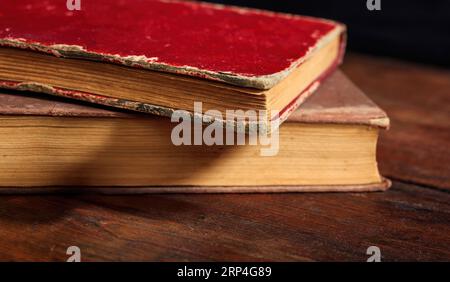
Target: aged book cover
{"type": "Point", "coordinates": [53, 145]}
{"type": "Point", "coordinates": [156, 56]}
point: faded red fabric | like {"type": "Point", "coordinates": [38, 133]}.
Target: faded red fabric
{"type": "Point", "coordinates": [202, 36]}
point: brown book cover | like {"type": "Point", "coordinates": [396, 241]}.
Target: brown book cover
{"type": "Point", "coordinates": [337, 101]}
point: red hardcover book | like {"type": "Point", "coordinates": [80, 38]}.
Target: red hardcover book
{"type": "Point", "coordinates": [157, 56]}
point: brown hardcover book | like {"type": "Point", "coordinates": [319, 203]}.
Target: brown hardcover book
{"type": "Point", "coordinates": [329, 144]}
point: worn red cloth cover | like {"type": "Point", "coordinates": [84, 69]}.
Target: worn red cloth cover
{"type": "Point", "coordinates": [235, 45]}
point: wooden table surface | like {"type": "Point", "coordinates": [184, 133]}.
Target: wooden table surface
{"type": "Point", "coordinates": [409, 222]}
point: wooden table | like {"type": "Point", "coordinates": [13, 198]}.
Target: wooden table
{"type": "Point", "coordinates": [409, 222]}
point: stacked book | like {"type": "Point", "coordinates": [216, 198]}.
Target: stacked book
{"type": "Point", "coordinates": [172, 96]}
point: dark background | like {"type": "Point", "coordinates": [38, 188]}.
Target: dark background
{"type": "Point", "coordinates": [408, 29]}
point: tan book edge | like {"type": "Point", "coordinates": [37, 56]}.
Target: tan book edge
{"type": "Point", "coordinates": [338, 102]}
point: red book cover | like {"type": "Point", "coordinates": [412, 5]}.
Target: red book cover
{"type": "Point", "coordinates": [239, 46]}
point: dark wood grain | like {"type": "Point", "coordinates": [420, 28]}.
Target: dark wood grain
{"type": "Point", "coordinates": [408, 222]}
